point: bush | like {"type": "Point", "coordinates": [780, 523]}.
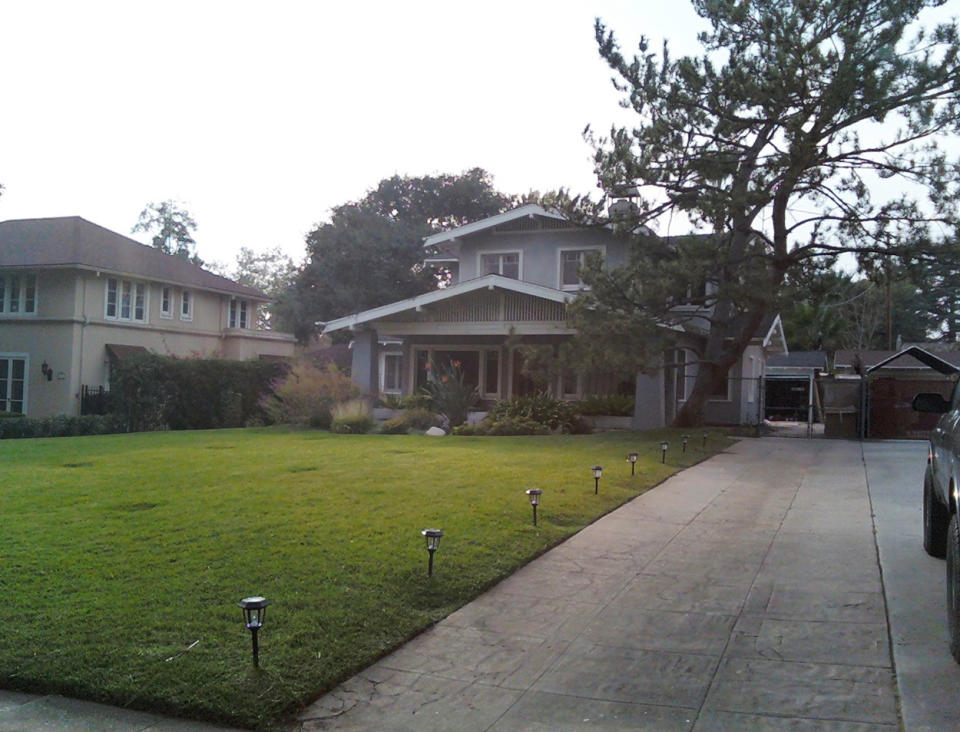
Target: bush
{"type": "Point", "coordinates": [307, 394]}
{"type": "Point", "coordinates": [617, 405]}
{"type": "Point", "coordinates": [542, 409]}
{"type": "Point", "coordinates": [15, 426]}
{"type": "Point", "coordinates": [449, 396]}
{"type": "Point", "coordinates": [351, 418]}
{"type": "Point", "coordinates": [412, 419]}
{"type": "Point", "coordinates": [395, 426]}
{"type": "Point", "coordinates": [502, 427]}
{"type": "Point", "coordinates": [414, 401]}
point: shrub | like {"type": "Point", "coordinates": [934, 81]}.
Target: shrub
{"type": "Point", "coordinates": [449, 396]}
{"type": "Point", "coordinates": [351, 418]}
{"type": "Point", "coordinates": [18, 426]}
{"type": "Point", "coordinates": [618, 405]}
{"type": "Point", "coordinates": [395, 426]}
{"type": "Point", "coordinates": [542, 409]}
{"type": "Point", "coordinates": [307, 394]}
{"type": "Point", "coordinates": [412, 419]}
{"type": "Point", "coordinates": [502, 427]}
{"type": "Point", "coordinates": [413, 401]}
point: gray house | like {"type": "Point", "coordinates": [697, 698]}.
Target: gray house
{"type": "Point", "coordinates": [511, 278]}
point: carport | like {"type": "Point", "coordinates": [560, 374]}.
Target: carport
{"type": "Point", "coordinates": [889, 387]}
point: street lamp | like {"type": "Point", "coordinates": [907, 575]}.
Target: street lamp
{"type": "Point", "coordinates": [534, 495]}
{"type": "Point", "coordinates": [632, 457]}
{"type": "Point", "coordinates": [683, 442]}
{"type": "Point", "coordinates": [663, 451]}
{"type": "Point", "coordinates": [254, 612]}
{"type": "Point", "coordinates": [433, 543]}
{"type": "Point", "coordinates": [597, 472]}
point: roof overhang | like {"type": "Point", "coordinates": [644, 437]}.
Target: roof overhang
{"type": "Point", "coordinates": [774, 339]}
{"type": "Point", "coordinates": [488, 282]}
{"type": "Point", "coordinates": [924, 357]}
{"type": "Point", "coordinates": [530, 209]}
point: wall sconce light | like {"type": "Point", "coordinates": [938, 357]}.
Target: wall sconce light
{"type": "Point", "coordinates": [47, 371]}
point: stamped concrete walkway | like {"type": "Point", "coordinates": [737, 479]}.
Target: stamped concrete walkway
{"type": "Point", "coordinates": [744, 593]}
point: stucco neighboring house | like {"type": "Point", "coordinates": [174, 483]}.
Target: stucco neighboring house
{"type": "Point", "coordinates": [511, 278]}
{"type": "Point", "coordinates": [74, 297]}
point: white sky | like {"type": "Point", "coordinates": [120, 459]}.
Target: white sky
{"type": "Point", "coordinates": [260, 117]}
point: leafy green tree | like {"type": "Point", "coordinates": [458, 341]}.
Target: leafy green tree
{"type": "Point", "coordinates": [768, 142]}
{"type": "Point", "coordinates": [171, 227]}
{"type": "Point", "coordinates": [271, 271]}
{"type": "Point", "coordinates": [370, 251]}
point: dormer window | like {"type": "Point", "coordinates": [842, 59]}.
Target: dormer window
{"type": "Point", "coordinates": [506, 264]}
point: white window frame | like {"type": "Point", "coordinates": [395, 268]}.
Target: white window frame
{"type": "Point", "coordinates": [481, 372]}
{"type": "Point", "coordinates": [166, 296]}
{"type": "Point", "coordinates": [500, 253]}
{"type": "Point", "coordinates": [5, 398]}
{"type": "Point", "coordinates": [14, 304]}
{"type": "Point", "coordinates": [583, 251]}
{"type": "Point", "coordinates": [132, 289]}
{"type": "Point", "coordinates": [238, 313]}
{"type": "Point", "coordinates": [384, 355]}
{"type": "Point", "coordinates": [186, 299]}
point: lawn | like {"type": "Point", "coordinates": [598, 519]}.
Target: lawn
{"type": "Point", "coordinates": [123, 557]}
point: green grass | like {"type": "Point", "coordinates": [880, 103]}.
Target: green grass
{"type": "Point", "coordinates": [122, 557]}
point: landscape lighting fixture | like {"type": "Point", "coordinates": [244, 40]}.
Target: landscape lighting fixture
{"type": "Point", "coordinates": [433, 543]}
{"type": "Point", "coordinates": [632, 457]}
{"type": "Point", "coordinates": [704, 443]}
{"type": "Point", "coordinates": [254, 612]}
{"type": "Point", "coordinates": [663, 451]}
{"type": "Point", "coordinates": [683, 442]}
{"type": "Point", "coordinates": [534, 495]}
{"type": "Point", "coordinates": [597, 472]}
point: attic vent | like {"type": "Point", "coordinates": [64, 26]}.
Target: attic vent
{"type": "Point", "coordinates": [535, 223]}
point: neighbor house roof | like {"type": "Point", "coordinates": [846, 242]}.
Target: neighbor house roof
{"type": "Point", "coordinates": [913, 357]}
{"type": "Point", "coordinates": [530, 209]}
{"type": "Point", "coordinates": [490, 282]}
{"type": "Point", "coordinates": [799, 360]}
{"type": "Point", "coordinates": [74, 242]}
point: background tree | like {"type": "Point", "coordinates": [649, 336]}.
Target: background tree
{"type": "Point", "coordinates": [370, 252]}
{"type": "Point", "coordinates": [271, 271]}
{"type": "Point", "coordinates": [769, 141]}
{"type": "Point", "coordinates": [171, 227]}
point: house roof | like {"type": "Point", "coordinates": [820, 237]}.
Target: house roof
{"type": "Point", "coordinates": [799, 360]}
{"type": "Point", "coordinates": [530, 209]}
{"type": "Point", "coordinates": [490, 282]}
{"type": "Point", "coordinates": [71, 241]}
{"type": "Point", "coordinates": [914, 354]}
{"type": "Point", "coordinates": [913, 357]}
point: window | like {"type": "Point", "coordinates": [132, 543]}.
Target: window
{"type": "Point", "coordinates": [491, 379]}
{"type": "Point", "coordinates": [166, 302]}
{"type": "Point", "coordinates": [238, 314]}
{"type": "Point", "coordinates": [501, 263]}
{"type": "Point", "coordinates": [13, 396]}
{"type": "Point", "coordinates": [18, 294]}
{"type": "Point", "coordinates": [125, 300]}
{"type": "Point", "coordinates": [186, 305]}
{"type": "Point", "coordinates": [390, 372]}
{"type": "Point", "coordinates": [571, 262]}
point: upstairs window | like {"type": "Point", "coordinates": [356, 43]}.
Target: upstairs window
{"type": "Point", "coordinates": [125, 300]}
{"type": "Point", "coordinates": [18, 294]}
{"type": "Point", "coordinates": [571, 262]}
{"type": "Point", "coordinates": [186, 305]}
{"type": "Point", "coordinates": [238, 314]}
{"type": "Point", "coordinates": [166, 302]}
{"type": "Point", "coordinates": [506, 264]}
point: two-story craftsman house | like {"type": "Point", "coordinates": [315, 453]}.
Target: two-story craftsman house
{"type": "Point", "coordinates": [512, 276]}
{"type": "Point", "coordinates": [74, 297]}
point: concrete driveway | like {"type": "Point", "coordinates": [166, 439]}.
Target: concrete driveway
{"type": "Point", "coordinates": [749, 592]}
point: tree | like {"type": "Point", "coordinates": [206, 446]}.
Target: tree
{"type": "Point", "coordinates": [371, 250]}
{"type": "Point", "coordinates": [271, 271]}
{"type": "Point", "coordinates": [771, 143]}
{"type": "Point", "coordinates": [171, 227]}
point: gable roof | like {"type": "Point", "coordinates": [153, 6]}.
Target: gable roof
{"type": "Point", "coordinates": [914, 354]}
{"type": "Point", "coordinates": [530, 209]}
{"type": "Point", "coordinates": [490, 282]}
{"type": "Point", "coordinates": [71, 241]}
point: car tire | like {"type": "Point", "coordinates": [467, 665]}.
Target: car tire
{"type": "Point", "coordinates": [953, 587]}
{"type": "Point", "coordinates": [936, 519]}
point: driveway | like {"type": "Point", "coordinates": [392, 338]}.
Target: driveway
{"type": "Point", "coordinates": [748, 592]}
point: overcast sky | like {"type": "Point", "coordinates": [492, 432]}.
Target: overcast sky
{"type": "Point", "coordinates": [260, 117]}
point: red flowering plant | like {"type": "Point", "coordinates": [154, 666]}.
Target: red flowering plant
{"type": "Point", "coordinates": [449, 395]}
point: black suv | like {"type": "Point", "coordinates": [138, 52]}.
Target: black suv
{"type": "Point", "coordinates": [941, 497]}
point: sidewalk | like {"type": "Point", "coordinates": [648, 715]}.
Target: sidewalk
{"type": "Point", "coordinates": [744, 593]}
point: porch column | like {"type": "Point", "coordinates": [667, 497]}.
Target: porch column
{"type": "Point", "coordinates": [648, 406]}
{"type": "Point", "coordinates": [363, 370]}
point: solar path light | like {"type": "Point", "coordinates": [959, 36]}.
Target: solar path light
{"type": "Point", "coordinates": [683, 442]}
{"type": "Point", "coordinates": [632, 457]}
{"type": "Point", "coordinates": [254, 612]}
{"type": "Point", "coordinates": [663, 451]}
{"type": "Point", "coordinates": [597, 472]}
{"type": "Point", "coordinates": [534, 495]}
{"type": "Point", "coordinates": [703, 443]}
{"type": "Point", "coordinates": [433, 543]}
